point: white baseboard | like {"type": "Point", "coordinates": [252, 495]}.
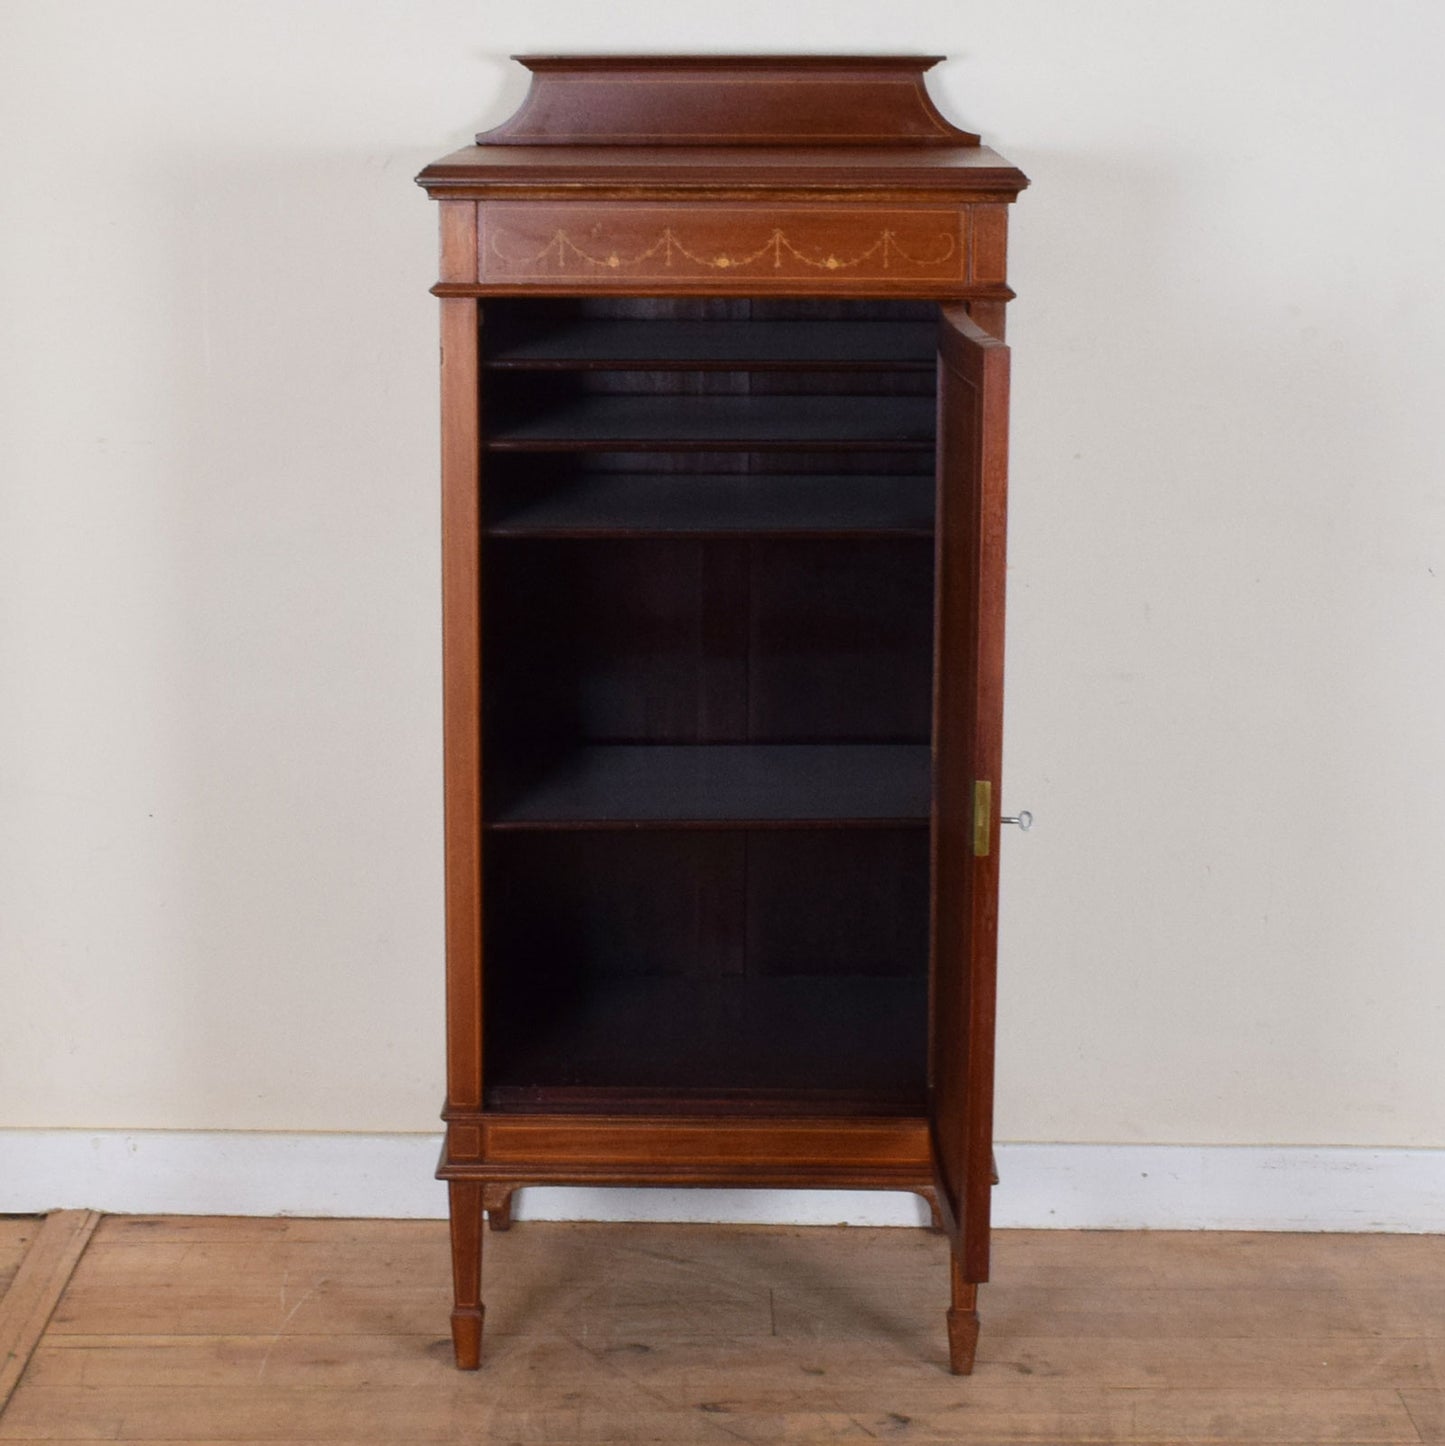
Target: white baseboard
{"type": "Point", "coordinates": [1064, 1187]}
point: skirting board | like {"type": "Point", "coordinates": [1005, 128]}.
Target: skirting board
{"type": "Point", "coordinates": [1063, 1187]}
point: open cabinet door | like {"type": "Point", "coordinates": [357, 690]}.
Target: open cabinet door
{"type": "Point", "coordinates": [967, 748]}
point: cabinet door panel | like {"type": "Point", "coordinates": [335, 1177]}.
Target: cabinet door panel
{"type": "Point", "coordinates": [968, 716]}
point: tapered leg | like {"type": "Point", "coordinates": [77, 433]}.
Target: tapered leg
{"type": "Point", "coordinates": [498, 1202]}
{"type": "Point", "coordinates": [467, 1309]}
{"type": "Point", "coordinates": [931, 1196]}
{"type": "Point", "coordinates": [962, 1322]}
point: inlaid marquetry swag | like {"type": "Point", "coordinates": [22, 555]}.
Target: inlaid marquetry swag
{"type": "Point", "coordinates": [723, 494]}
{"type": "Point", "coordinates": [526, 243]}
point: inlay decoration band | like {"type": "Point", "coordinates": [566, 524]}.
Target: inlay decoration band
{"type": "Point", "coordinates": [563, 249]}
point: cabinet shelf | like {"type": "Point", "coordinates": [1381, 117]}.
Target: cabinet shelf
{"type": "Point", "coordinates": [665, 505]}
{"type": "Point", "coordinates": [849, 1041]}
{"type": "Point", "coordinates": [724, 786]}
{"type": "Point", "coordinates": [835, 422]}
{"type": "Point", "coordinates": [588, 343]}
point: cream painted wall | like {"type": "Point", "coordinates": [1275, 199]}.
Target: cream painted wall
{"type": "Point", "coordinates": [220, 897]}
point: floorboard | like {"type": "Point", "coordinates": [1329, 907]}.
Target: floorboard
{"type": "Point", "coordinates": [298, 1331]}
{"type": "Point", "coordinates": [37, 1285]}
{"type": "Point", "coordinates": [16, 1233]}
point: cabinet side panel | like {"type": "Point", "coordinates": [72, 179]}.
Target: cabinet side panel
{"type": "Point", "coordinates": [461, 673]}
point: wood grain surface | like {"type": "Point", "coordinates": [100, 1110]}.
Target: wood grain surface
{"type": "Point", "coordinates": [16, 1233]}
{"type": "Point", "coordinates": [754, 100]}
{"type": "Point", "coordinates": [738, 247]}
{"type": "Point", "coordinates": [36, 1286]}
{"type": "Point", "coordinates": [210, 1330]}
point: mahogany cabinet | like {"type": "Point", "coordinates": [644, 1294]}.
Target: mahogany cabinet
{"type": "Point", "coordinates": [723, 472]}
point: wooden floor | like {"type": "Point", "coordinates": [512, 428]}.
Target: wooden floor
{"type": "Point", "coordinates": [290, 1331]}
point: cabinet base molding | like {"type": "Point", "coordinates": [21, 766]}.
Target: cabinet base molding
{"type": "Point", "coordinates": [858, 1154]}
{"type": "Point", "coordinates": [774, 1154]}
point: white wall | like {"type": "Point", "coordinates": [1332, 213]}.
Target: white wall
{"type": "Point", "coordinates": [220, 885]}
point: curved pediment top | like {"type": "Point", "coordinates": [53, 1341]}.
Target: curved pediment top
{"type": "Point", "coordinates": [727, 100]}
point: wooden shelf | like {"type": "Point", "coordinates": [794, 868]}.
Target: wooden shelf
{"type": "Point", "coordinates": [724, 786]}
{"type": "Point", "coordinates": [834, 422]}
{"type": "Point", "coordinates": [668, 505]}
{"type": "Point", "coordinates": [587, 343]}
{"type": "Point", "coordinates": [854, 1041]}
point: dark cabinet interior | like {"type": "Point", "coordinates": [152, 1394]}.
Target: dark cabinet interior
{"type": "Point", "coordinates": [707, 666]}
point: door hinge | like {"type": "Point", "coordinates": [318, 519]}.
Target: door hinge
{"type": "Point", "coordinates": [982, 817]}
